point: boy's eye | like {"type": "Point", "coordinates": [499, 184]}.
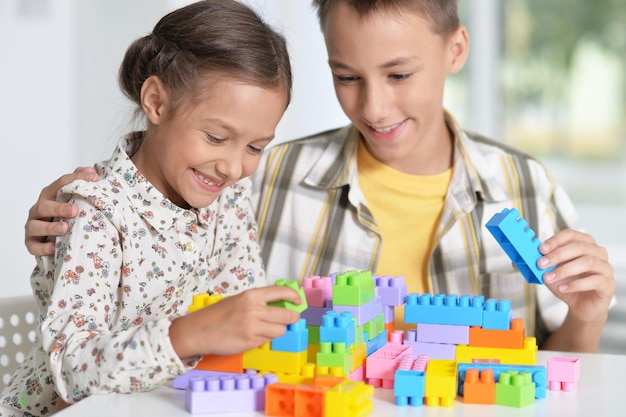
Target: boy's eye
{"type": "Point", "coordinates": [400, 77]}
{"type": "Point", "coordinates": [214, 139]}
{"type": "Point", "coordinates": [346, 78]}
{"type": "Point", "coordinates": [255, 149]}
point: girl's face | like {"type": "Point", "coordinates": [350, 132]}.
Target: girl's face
{"type": "Point", "coordinates": [194, 153]}
{"type": "Point", "coordinates": [389, 71]}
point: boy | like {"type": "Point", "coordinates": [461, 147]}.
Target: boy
{"type": "Point", "coordinates": [405, 191]}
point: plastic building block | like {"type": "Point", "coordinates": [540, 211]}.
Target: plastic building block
{"type": "Point", "coordinates": [432, 350]}
{"type": "Point", "coordinates": [295, 339]}
{"type": "Point", "coordinates": [538, 374]}
{"type": "Point", "coordinates": [390, 314]}
{"type": "Point", "coordinates": [381, 366]}
{"type": "Point", "coordinates": [375, 326]}
{"type": "Point", "coordinates": [515, 389]}
{"type": "Point", "coordinates": [390, 327]}
{"type": "Point", "coordinates": [226, 394]}
{"type": "Point", "coordinates": [358, 375]}
{"type": "Point", "coordinates": [525, 356]}
{"type": "Point", "coordinates": [293, 284]}
{"type": "Point", "coordinates": [440, 380]}
{"type": "Point", "coordinates": [182, 381]}
{"type": "Point", "coordinates": [227, 363]}
{"type": "Point", "coordinates": [376, 343]}
{"type": "Point", "coordinates": [335, 354]}
{"type": "Point", "coordinates": [519, 242]}
{"type": "Point", "coordinates": [408, 383]}
{"type": "Point", "coordinates": [338, 327]}
{"type": "Point", "coordinates": [265, 360]}
{"type": "Point", "coordinates": [359, 356]}
{"type": "Point", "coordinates": [392, 291]}
{"type": "Point", "coordinates": [479, 387]}
{"type": "Point", "coordinates": [442, 333]}
{"type": "Point", "coordinates": [510, 339]}
{"type": "Point", "coordinates": [363, 313]}
{"type": "Point", "coordinates": [563, 373]}
{"type": "Point", "coordinates": [353, 288]}
{"type": "Point", "coordinates": [349, 399]}
{"type": "Point", "coordinates": [317, 290]}
{"type": "Point", "coordinates": [199, 301]}
{"type": "Point", "coordinates": [313, 315]}
{"type": "Point", "coordinates": [444, 309]}
{"type": "Point", "coordinates": [280, 400]}
{"type": "Point", "coordinates": [497, 314]}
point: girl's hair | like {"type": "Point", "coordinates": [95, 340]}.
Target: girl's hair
{"type": "Point", "coordinates": [442, 14]}
{"type": "Point", "coordinates": [220, 38]}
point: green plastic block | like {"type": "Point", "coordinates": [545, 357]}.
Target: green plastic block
{"type": "Point", "coordinates": [515, 389]}
{"type": "Point", "coordinates": [293, 284]}
{"type": "Point", "coordinates": [335, 354]}
{"type": "Point", "coordinates": [353, 288]}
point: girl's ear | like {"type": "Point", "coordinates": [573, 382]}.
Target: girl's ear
{"type": "Point", "coordinates": [154, 99]}
{"type": "Point", "coordinates": [458, 47]}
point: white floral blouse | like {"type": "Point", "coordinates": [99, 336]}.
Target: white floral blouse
{"type": "Point", "coordinates": [130, 262]}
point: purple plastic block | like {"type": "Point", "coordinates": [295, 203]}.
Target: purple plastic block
{"type": "Point", "coordinates": [317, 290]}
{"type": "Point", "coordinates": [313, 315]}
{"type": "Point", "coordinates": [182, 381]}
{"type": "Point", "coordinates": [363, 313]}
{"type": "Point", "coordinates": [497, 314]}
{"type": "Point", "coordinates": [443, 333]}
{"type": "Point", "coordinates": [444, 309]}
{"type": "Point", "coordinates": [432, 350]}
{"type": "Point", "coordinates": [392, 290]}
{"type": "Point", "coordinates": [390, 314]}
{"type": "Point", "coordinates": [227, 394]}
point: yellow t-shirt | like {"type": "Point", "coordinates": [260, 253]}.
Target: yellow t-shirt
{"type": "Point", "coordinates": [407, 209]}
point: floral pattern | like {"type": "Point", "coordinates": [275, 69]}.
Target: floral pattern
{"type": "Point", "coordinates": [130, 263]}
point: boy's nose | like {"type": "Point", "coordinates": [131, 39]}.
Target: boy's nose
{"type": "Point", "coordinates": [374, 103]}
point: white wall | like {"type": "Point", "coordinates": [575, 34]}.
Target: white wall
{"type": "Point", "coordinates": [60, 105]}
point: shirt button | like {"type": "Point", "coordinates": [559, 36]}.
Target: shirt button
{"type": "Point", "coordinates": [190, 247]}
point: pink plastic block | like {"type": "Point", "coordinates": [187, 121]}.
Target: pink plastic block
{"type": "Point", "coordinates": [363, 313]}
{"type": "Point", "coordinates": [317, 290]}
{"type": "Point", "coordinates": [563, 373]}
{"type": "Point", "coordinates": [358, 375]}
{"type": "Point", "coordinates": [443, 333]}
{"type": "Point", "coordinates": [225, 394]}
{"type": "Point", "coordinates": [382, 364]}
{"type": "Point", "coordinates": [392, 290]}
{"type": "Point", "coordinates": [432, 350]}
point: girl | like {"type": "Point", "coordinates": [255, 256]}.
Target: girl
{"type": "Point", "coordinates": [169, 217]}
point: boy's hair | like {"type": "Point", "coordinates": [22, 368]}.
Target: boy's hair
{"type": "Point", "coordinates": [441, 14]}
{"type": "Point", "coordinates": [221, 38]}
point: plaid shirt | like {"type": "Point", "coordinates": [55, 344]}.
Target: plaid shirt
{"type": "Point", "coordinates": [313, 218]}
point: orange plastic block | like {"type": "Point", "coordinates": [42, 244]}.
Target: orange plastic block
{"type": "Point", "coordinates": [390, 327]}
{"type": "Point", "coordinates": [349, 399]}
{"type": "Point", "coordinates": [525, 356]}
{"type": "Point", "coordinates": [265, 360]}
{"type": "Point", "coordinates": [229, 363]}
{"type": "Point", "coordinates": [280, 400]}
{"type": "Point", "coordinates": [508, 339]}
{"type": "Point", "coordinates": [479, 389]}
{"type": "Point", "coordinates": [440, 383]}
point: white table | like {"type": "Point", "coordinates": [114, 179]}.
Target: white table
{"type": "Point", "coordinates": [600, 393]}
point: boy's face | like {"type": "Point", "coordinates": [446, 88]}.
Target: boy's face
{"type": "Point", "coordinates": [389, 71]}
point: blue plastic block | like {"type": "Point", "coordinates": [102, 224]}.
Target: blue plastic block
{"type": "Point", "coordinates": [539, 374]}
{"type": "Point", "coordinates": [376, 343]}
{"type": "Point", "coordinates": [295, 339]}
{"type": "Point", "coordinates": [444, 309]}
{"type": "Point", "coordinates": [338, 328]}
{"type": "Point", "coordinates": [519, 242]}
{"type": "Point", "coordinates": [408, 387]}
{"type": "Point", "coordinates": [497, 314]}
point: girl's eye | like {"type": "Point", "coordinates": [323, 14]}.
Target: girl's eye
{"type": "Point", "coordinates": [346, 78]}
{"type": "Point", "coordinates": [214, 139]}
{"type": "Point", "coordinates": [400, 77]}
{"type": "Point", "coordinates": [255, 150]}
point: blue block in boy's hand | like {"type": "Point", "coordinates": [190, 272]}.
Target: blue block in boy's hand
{"type": "Point", "coordinates": [519, 242]}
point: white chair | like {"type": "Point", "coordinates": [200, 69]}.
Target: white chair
{"type": "Point", "coordinates": [18, 320]}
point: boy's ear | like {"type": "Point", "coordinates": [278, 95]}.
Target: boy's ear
{"type": "Point", "coordinates": [458, 47]}
{"type": "Point", "coordinates": [154, 99]}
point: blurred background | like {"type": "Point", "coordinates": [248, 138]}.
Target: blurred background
{"type": "Point", "coordinates": [548, 77]}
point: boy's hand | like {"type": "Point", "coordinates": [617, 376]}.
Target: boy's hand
{"type": "Point", "coordinates": [583, 277]}
{"type": "Point", "coordinates": [39, 224]}
{"type": "Point", "coordinates": [234, 324]}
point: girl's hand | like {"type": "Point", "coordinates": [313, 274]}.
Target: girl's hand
{"type": "Point", "coordinates": [39, 224]}
{"type": "Point", "coordinates": [583, 277]}
{"type": "Point", "coordinates": [234, 324]}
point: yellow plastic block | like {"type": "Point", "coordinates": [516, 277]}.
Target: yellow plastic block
{"type": "Point", "coordinates": [440, 383]}
{"type": "Point", "coordinates": [359, 356]}
{"type": "Point", "coordinates": [349, 399]}
{"type": "Point", "coordinates": [312, 355]}
{"type": "Point", "coordinates": [525, 356]}
{"type": "Point", "coordinates": [199, 301]}
{"type": "Point", "coordinates": [265, 360]}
